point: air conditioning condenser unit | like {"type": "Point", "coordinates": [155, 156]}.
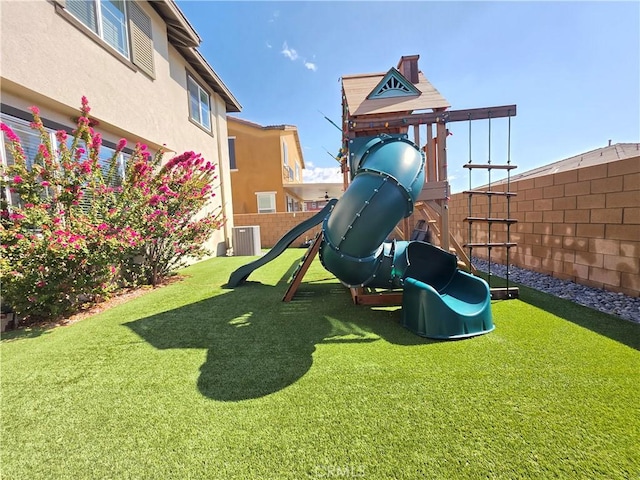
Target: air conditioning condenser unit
{"type": "Point", "coordinates": [246, 241]}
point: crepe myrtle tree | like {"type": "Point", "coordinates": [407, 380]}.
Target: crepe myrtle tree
{"type": "Point", "coordinates": [164, 203]}
{"type": "Point", "coordinates": [79, 222]}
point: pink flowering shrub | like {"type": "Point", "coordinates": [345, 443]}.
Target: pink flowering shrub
{"type": "Point", "coordinates": [164, 204]}
{"type": "Point", "coordinates": [80, 231]}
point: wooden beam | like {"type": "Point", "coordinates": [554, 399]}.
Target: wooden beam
{"type": "Point", "coordinates": [505, 293]}
{"type": "Point", "coordinates": [433, 205]}
{"type": "Point", "coordinates": [406, 229]}
{"type": "Point", "coordinates": [302, 269]}
{"type": "Point", "coordinates": [430, 152]}
{"type": "Point", "coordinates": [361, 296]}
{"type": "Point", "coordinates": [395, 120]}
{"type": "Point", "coordinates": [441, 130]}
{"type": "Point", "coordinates": [434, 191]}
{"type": "Point", "coordinates": [441, 135]}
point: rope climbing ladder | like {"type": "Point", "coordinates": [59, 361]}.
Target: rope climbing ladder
{"type": "Point", "coordinates": [491, 218]}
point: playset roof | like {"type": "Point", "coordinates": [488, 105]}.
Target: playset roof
{"type": "Point", "coordinates": [357, 89]}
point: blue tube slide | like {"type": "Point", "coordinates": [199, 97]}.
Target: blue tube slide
{"type": "Point", "coordinates": [388, 174]}
{"type": "Point", "coordinates": [439, 301]}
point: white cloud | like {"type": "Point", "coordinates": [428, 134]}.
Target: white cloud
{"type": "Point", "coordinates": [274, 16]}
{"type": "Point", "coordinates": [321, 175]}
{"type": "Point", "coordinates": [269, 45]}
{"type": "Point", "coordinates": [290, 53]}
{"type": "Point", "coordinates": [308, 164]}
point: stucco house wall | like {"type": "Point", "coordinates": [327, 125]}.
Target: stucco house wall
{"type": "Point", "coordinates": [49, 62]}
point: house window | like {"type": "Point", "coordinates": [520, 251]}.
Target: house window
{"type": "Point", "coordinates": [30, 141]}
{"type": "Point", "coordinates": [232, 153]}
{"type": "Point", "coordinates": [116, 25]}
{"type": "Point", "coordinates": [285, 154]}
{"type": "Point", "coordinates": [112, 178]}
{"type": "Point", "coordinates": [199, 104]}
{"type": "Point", "coordinates": [266, 202]}
{"type": "Point", "coordinates": [297, 172]}
{"type": "Point", "coordinates": [106, 18]}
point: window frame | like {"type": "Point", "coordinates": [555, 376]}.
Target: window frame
{"type": "Point", "coordinates": [209, 129]}
{"type": "Point", "coordinates": [271, 196]}
{"type": "Point", "coordinates": [233, 163]}
{"type": "Point", "coordinates": [285, 153]}
{"type": "Point", "coordinates": [13, 199]}
{"type": "Point", "coordinates": [98, 7]}
{"type": "Point", "coordinates": [139, 39]}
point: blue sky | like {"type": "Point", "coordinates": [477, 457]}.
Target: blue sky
{"type": "Point", "coordinates": [572, 68]}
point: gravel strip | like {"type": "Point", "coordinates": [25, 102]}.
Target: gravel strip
{"type": "Point", "coordinates": [618, 304]}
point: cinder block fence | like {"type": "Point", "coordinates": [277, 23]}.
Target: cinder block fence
{"type": "Point", "coordinates": [581, 225]}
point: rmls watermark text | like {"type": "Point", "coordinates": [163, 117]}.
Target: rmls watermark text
{"type": "Point", "coordinates": [338, 471]}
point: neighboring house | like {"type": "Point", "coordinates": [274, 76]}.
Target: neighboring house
{"type": "Point", "coordinates": [137, 64]}
{"type": "Point", "coordinates": [266, 162]}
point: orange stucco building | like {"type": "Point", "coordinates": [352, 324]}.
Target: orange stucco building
{"type": "Point", "coordinates": [264, 160]}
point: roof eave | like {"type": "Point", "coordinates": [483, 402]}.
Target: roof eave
{"type": "Point", "coordinates": [179, 29]}
{"type": "Point", "coordinates": [200, 65]}
{"type": "Point", "coordinates": [285, 128]}
{"type": "Point", "coordinates": [184, 37]}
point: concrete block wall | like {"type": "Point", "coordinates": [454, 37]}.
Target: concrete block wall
{"type": "Point", "coordinates": [274, 225]}
{"type": "Point", "coordinates": [581, 225]}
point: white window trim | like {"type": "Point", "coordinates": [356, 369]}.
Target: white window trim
{"type": "Point", "coordinates": [100, 29]}
{"type": "Point", "coordinates": [233, 137]}
{"type": "Point", "coordinates": [272, 197]}
{"type": "Point", "coordinates": [285, 153]}
{"type": "Point", "coordinates": [191, 78]}
{"type": "Point", "coordinates": [62, 11]}
{"type": "Point", "coordinates": [139, 38]}
{"type": "Point", "coordinates": [13, 199]}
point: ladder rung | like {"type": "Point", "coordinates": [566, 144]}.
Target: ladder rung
{"type": "Point", "coordinates": [490, 220]}
{"type": "Point", "coordinates": [491, 244]}
{"type": "Point", "coordinates": [490, 192]}
{"type": "Point", "coordinates": [489, 166]}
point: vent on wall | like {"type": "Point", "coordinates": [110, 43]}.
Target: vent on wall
{"type": "Point", "coordinates": [246, 241]}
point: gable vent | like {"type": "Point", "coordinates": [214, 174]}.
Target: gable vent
{"type": "Point", "coordinates": [141, 40]}
{"type": "Point", "coordinates": [393, 85]}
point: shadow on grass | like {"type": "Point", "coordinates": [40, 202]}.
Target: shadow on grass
{"type": "Point", "coordinates": [618, 329]}
{"type": "Point", "coordinates": [25, 332]}
{"type": "Point", "coordinates": [623, 331]}
{"type": "Point", "coordinates": [257, 345]}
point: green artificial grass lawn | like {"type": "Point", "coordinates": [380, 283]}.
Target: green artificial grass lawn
{"type": "Point", "coordinates": [197, 381]}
